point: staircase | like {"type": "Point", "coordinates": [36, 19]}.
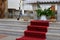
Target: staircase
{"type": "Point", "coordinates": [53, 31]}
{"type": "Point", "coordinates": [13, 27]}
{"type": "Point", "coordinates": [36, 30]}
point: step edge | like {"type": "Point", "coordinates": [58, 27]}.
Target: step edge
{"type": "Point", "coordinates": [54, 28]}
{"type": "Point", "coordinates": [12, 30]}
{"type": "Point", "coordinates": [53, 34]}
{"type": "Point", "coordinates": [13, 25]}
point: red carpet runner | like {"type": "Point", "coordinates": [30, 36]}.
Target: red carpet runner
{"type": "Point", "coordinates": [36, 30]}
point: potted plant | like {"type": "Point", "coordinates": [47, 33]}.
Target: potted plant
{"type": "Point", "coordinates": [43, 14]}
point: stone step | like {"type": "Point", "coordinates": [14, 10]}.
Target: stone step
{"type": "Point", "coordinates": [53, 36]}
{"type": "Point", "coordinates": [54, 24]}
{"type": "Point", "coordinates": [14, 22]}
{"type": "Point", "coordinates": [23, 27]}
{"type": "Point", "coordinates": [54, 29]}
{"type": "Point", "coordinates": [12, 32]}
{"type": "Point", "coordinates": [18, 31]}
{"type": "Point", "coordinates": [11, 26]}
{"type": "Point", "coordinates": [16, 28]}
{"type": "Point", "coordinates": [49, 36]}
{"type": "Point", "coordinates": [26, 22]}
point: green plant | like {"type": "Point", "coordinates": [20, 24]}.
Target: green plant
{"type": "Point", "coordinates": [48, 12]}
{"type": "Point", "coordinates": [39, 11]}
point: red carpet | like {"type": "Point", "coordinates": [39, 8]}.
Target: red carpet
{"type": "Point", "coordinates": [36, 30]}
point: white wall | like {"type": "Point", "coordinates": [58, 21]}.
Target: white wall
{"type": "Point", "coordinates": [45, 6]}
{"type": "Point", "coordinates": [27, 7]}
{"type": "Point", "coordinates": [13, 4]}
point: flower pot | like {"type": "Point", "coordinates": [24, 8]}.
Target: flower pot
{"type": "Point", "coordinates": [43, 17]}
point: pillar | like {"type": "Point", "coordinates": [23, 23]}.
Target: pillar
{"type": "Point", "coordinates": [34, 6]}
{"type": "Point", "coordinates": [22, 6]}
{"type": "Point", "coordinates": [58, 12]}
{"type": "Point", "coordinates": [6, 9]}
{"type": "Point", "coordinates": [0, 7]}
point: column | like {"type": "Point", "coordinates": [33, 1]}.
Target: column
{"type": "Point", "coordinates": [34, 6]}
{"type": "Point", "coordinates": [3, 9]}
{"type": "Point", "coordinates": [22, 6]}
{"type": "Point", "coordinates": [6, 9]}
{"type": "Point", "coordinates": [0, 7]}
{"type": "Point", "coordinates": [58, 12]}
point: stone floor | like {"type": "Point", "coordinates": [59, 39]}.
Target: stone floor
{"type": "Point", "coordinates": [7, 37]}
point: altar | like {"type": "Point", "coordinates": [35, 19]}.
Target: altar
{"type": "Point", "coordinates": [54, 4]}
